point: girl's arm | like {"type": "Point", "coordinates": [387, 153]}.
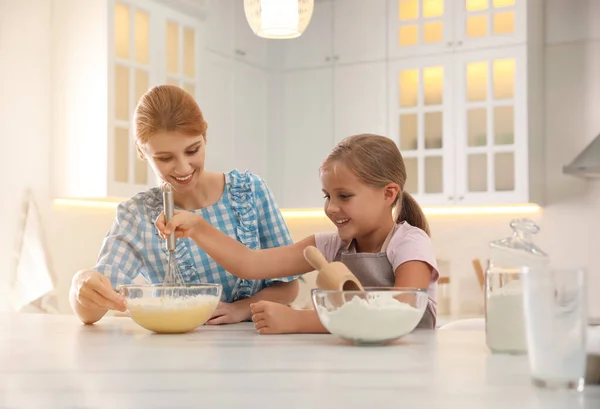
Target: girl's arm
{"type": "Point", "coordinates": [232, 255]}
{"type": "Point", "coordinates": [272, 232]}
{"type": "Point", "coordinates": [411, 253]}
{"type": "Point", "coordinates": [415, 274]}
{"type": "Point", "coordinates": [309, 322]}
{"type": "Point", "coordinates": [248, 264]}
{"type": "Point", "coordinates": [275, 318]}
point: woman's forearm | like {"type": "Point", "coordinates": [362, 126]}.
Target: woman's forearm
{"type": "Point", "coordinates": [279, 292]}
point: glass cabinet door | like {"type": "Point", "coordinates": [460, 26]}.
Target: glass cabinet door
{"type": "Point", "coordinates": [421, 124]}
{"type": "Point", "coordinates": [419, 27]}
{"type": "Point", "coordinates": [131, 78]}
{"type": "Point", "coordinates": [181, 59]}
{"type": "Point", "coordinates": [482, 23]}
{"type": "Point", "coordinates": [491, 127]}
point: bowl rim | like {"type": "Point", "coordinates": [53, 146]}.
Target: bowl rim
{"type": "Point", "coordinates": [184, 286]}
{"type": "Point", "coordinates": [370, 290]}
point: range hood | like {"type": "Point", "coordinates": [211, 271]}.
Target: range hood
{"type": "Point", "coordinates": [587, 163]}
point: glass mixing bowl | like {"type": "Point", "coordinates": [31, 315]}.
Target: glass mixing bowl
{"type": "Point", "coordinates": [171, 309]}
{"type": "Point", "coordinates": [377, 315]}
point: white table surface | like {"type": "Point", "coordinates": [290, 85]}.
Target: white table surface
{"type": "Point", "coordinates": [56, 362]}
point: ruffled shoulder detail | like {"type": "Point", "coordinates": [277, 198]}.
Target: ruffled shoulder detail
{"type": "Point", "coordinates": [243, 202]}
{"type": "Point", "coordinates": [151, 203]}
{"type": "Point", "coordinates": [241, 188]}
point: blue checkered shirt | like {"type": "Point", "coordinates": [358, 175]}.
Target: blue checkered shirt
{"type": "Point", "coordinates": [246, 211]}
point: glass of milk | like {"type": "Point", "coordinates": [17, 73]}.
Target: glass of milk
{"type": "Point", "coordinates": [555, 312]}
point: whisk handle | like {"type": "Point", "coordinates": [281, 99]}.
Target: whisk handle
{"type": "Point", "coordinates": [169, 211]}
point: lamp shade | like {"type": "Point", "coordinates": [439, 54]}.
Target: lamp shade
{"type": "Point", "coordinates": [278, 18]}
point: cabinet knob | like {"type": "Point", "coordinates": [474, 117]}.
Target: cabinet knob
{"type": "Point", "coordinates": [449, 44]}
{"type": "Point", "coordinates": [337, 57]}
{"type": "Point", "coordinates": [459, 43]}
{"type": "Point", "coordinates": [450, 198]}
{"type": "Point", "coordinates": [327, 59]}
{"type": "Point", "coordinates": [460, 198]}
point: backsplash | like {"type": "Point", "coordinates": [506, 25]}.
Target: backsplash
{"type": "Point", "coordinates": [567, 232]}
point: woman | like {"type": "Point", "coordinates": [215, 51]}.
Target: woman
{"type": "Point", "coordinates": [170, 133]}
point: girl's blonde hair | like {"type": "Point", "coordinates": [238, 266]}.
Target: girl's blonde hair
{"type": "Point", "coordinates": [377, 161]}
{"type": "Point", "coordinates": [167, 108]}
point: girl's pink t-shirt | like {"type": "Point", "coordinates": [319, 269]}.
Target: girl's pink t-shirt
{"type": "Point", "coordinates": [408, 243]}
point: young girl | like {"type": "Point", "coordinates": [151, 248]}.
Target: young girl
{"type": "Point", "coordinates": [170, 133]}
{"type": "Point", "coordinates": [382, 234]}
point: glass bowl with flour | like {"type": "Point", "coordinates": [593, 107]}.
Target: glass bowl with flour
{"type": "Point", "coordinates": [377, 315]}
{"type": "Point", "coordinates": [171, 309]}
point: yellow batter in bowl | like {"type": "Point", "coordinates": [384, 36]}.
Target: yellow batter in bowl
{"type": "Point", "coordinates": [171, 310]}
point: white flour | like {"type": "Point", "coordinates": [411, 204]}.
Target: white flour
{"type": "Point", "coordinates": [505, 325]}
{"type": "Point", "coordinates": [377, 319]}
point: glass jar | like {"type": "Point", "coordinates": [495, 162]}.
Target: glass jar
{"type": "Point", "coordinates": [504, 321]}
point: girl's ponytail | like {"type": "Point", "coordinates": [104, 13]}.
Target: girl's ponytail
{"type": "Point", "coordinates": [410, 211]}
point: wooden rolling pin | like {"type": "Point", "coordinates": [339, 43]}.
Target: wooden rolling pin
{"type": "Point", "coordinates": [479, 272]}
{"type": "Point", "coordinates": [331, 276]}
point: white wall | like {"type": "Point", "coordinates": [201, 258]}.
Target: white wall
{"type": "Point", "coordinates": [25, 119]}
{"type": "Point", "coordinates": [570, 222]}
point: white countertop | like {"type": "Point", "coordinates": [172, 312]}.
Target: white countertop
{"type": "Point", "coordinates": [56, 362]}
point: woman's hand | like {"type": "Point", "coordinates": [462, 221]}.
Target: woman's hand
{"type": "Point", "coordinates": [229, 313]}
{"type": "Point", "coordinates": [183, 223]}
{"type": "Point", "coordinates": [93, 290]}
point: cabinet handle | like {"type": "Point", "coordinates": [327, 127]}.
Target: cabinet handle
{"type": "Point", "coordinates": [460, 198]}
{"type": "Point", "coordinates": [450, 198]}
{"type": "Point", "coordinates": [240, 52]}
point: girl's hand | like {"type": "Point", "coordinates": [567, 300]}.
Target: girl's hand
{"type": "Point", "coordinates": [274, 318]}
{"type": "Point", "coordinates": [182, 223]}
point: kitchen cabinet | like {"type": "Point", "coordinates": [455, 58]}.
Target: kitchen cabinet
{"type": "Point", "coordinates": [107, 54]}
{"type": "Point", "coordinates": [427, 27]}
{"type": "Point", "coordinates": [250, 119]}
{"type": "Point", "coordinates": [308, 136]}
{"type": "Point", "coordinates": [321, 107]}
{"type": "Point", "coordinates": [234, 103]}
{"type": "Point", "coordinates": [216, 103]}
{"type": "Point", "coordinates": [340, 32]}
{"type": "Point", "coordinates": [359, 100]}
{"type": "Point", "coordinates": [467, 125]}
{"type": "Point", "coordinates": [231, 36]}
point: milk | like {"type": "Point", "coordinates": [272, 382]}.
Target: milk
{"type": "Point", "coordinates": [556, 305]}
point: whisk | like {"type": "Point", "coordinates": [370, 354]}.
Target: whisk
{"type": "Point", "coordinates": [173, 276]}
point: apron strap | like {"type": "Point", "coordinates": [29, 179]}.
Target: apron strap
{"type": "Point", "coordinates": [385, 244]}
{"type": "Point", "coordinates": [388, 238]}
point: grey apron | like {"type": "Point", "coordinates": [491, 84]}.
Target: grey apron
{"type": "Point", "coordinates": [375, 270]}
